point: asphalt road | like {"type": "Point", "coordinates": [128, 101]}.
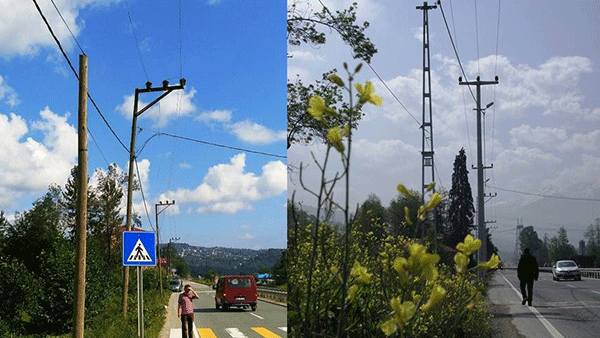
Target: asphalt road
{"type": "Point", "coordinates": [269, 320]}
{"type": "Point", "coordinates": [567, 309]}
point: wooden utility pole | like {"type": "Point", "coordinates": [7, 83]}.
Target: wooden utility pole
{"type": "Point", "coordinates": [481, 229]}
{"type": "Point", "coordinates": [166, 89]}
{"type": "Point", "coordinates": [156, 212]}
{"type": "Point", "coordinates": [81, 221]}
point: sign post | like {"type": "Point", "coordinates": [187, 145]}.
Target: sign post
{"type": "Point", "coordinates": [139, 249]}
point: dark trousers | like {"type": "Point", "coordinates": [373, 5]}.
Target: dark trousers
{"type": "Point", "coordinates": [529, 294]}
{"type": "Point", "coordinates": [187, 325]}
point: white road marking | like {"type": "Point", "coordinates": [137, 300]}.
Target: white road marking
{"type": "Point", "coordinates": [572, 286]}
{"type": "Point", "coordinates": [551, 329]}
{"type": "Point", "coordinates": [235, 333]}
{"type": "Point", "coordinates": [596, 292]}
{"type": "Point", "coordinates": [176, 333]}
{"type": "Point", "coordinates": [283, 328]}
{"type": "Point", "coordinates": [255, 315]}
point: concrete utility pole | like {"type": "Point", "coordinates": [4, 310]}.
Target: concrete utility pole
{"type": "Point", "coordinates": [427, 126]}
{"type": "Point", "coordinates": [156, 212]}
{"type": "Point", "coordinates": [166, 89]}
{"type": "Point", "coordinates": [482, 254]}
{"type": "Point", "coordinates": [81, 226]}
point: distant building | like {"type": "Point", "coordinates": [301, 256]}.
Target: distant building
{"type": "Point", "coordinates": [581, 250]}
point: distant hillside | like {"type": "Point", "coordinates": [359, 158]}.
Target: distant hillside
{"type": "Point", "coordinates": [226, 261]}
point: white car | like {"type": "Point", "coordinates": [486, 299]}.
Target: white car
{"type": "Point", "coordinates": [566, 270]}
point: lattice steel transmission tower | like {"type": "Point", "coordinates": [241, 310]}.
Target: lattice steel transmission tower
{"type": "Point", "coordinates": [427, 126]}
{"type": "Point", "coordinates": [518, 242]}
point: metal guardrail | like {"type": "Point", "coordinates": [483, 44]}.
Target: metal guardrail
{"type": "Point", "coordinates": [588, 273]}
{"type": "Point", "coordinates": [272, 294]}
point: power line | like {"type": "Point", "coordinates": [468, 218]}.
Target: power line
{"type": "Point", "coordinates": [495, 72]}
{"type": "Point", "coordinates": [394, 95]}
{"type": "Point", "coordinates": [455, 51]}
{"type": "Point", "coordinates": [549, 196]}
{"type": "Point", "coordinates": [477, 38]}
{"type": "Point", "coordinates": [63, 20]}
{"type": "Point", "coordinates": [180, 43]}
{"type": "Point", "coordinates": [137, 169]}
{"type": "Point", "coordinates": [97, 146]}
{"type": "Point", "coordinates": [136, 41]}
{"type": "Point", "coordinates": [157, 133]}
{"type": "Point", "coordinates": [75, 73]}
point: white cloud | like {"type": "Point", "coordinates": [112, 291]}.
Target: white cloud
{"type": "Point", "coordinates": [228, 188]}
{"type": "Point", "coordinates": [172, 106]}
{"type": "Point", "coordinates": [222, 116]}
{"type": "Point", "coordinates": [305, 56]}
{"type": "Point", "coordinates": [255, 133]}
{"type": "Point", "coordinates": [7, 94]}
{"type": "Point", "coordinates": [23, 32]}
{"type": "Point", "coordinates": [214, 2]}
{"type": "Point", "coordinates": [185, 165]}
{"type": "Point", "coordinates": [589, 141]}
{"type": "Point", "coordinates": [538, 135]}
{"type": "Point", "coordinates": [29, 166]}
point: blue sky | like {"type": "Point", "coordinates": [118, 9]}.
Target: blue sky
{"type": "Point", "coordinates": [233, 56]}
{"type": "Point", "coordinates": [542, 134]}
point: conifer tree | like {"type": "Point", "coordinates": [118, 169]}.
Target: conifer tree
{"type": "Point", "coordinates": [461, 210]}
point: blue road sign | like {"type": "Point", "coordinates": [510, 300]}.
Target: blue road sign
{"type": "Point", "coordinates": [139, 248]}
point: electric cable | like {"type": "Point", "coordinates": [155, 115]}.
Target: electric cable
{"type": "Point", "coordinates": [548, 196]}
{"type": "Point", "coordinates": [136, 41]}
{"type": "Point", "coordinates": [63, 20]}
{"type": "Point", "coordinates": [75, 73]}
{"type": "Point", "coordinates": [143, 197]}
{"type": "Point", "coordinates": [214, 144]}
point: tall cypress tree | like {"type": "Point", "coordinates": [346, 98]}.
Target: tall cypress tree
{"type": "Point", "coordinates": [461, 210]}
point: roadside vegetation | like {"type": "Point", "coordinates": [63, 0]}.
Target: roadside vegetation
{"type": "Point", "coordinates": [37, 260]}
{"type": "Point", "coordinates": [365, 277]}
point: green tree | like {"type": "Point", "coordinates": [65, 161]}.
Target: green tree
{"type": "Point", "coordinates": [303, 28]}
{"type": "Point", "coordinates": [560, 248]}
{"type": "Point", "coordinates": [460, 210]}
{"type": "Point", "coordinates": [528, 238]}
{"type": "Point", "coordinates": [592, 234]}
{"type": "Point", "coordinates": [370, 220]}
{"type": "Point", "coordinates": [110, 195]}
{"type": "Point", "coordinates": [396, 213]}
{"type": "Point", "coordinates": [280, 270]}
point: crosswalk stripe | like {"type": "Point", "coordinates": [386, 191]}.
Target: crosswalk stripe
{"type": "Point", "coordinates": [283, 328]}
{"type": "Point", "coordinates": [265, 333]}
{"type": "Point", "coordinates": [235, 333]}
{"type": "Point", "coordinates": [206, 333]}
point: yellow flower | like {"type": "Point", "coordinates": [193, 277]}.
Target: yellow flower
{"type": "Point", "coordinates": [366, 94]}
{"type": "Point", "coordinates": [433, 202]}
{"type": "Point", "coordinates": [404, 311]}
{"type": "Point", "coordinates": [402, 189]}
{"type": "Point", "coordinates": [469, 245]}
{"type": "Point", "coordinates": [360, 274]}
{"type": "Point", "coordinates": [352, 292]}
{"type": "Point", "coordinates": [431, 186]}
{"type": "Point", "coordinates": [407, 216]}
{"type": "Point", "coordinates": [492, 263]}
{"type": "Point", "coordinates": [437, 293]}
{"type": "Point", "coordinates": [336, 79]}
{"type": "Point", "coordinates": [461, 260]}
{"type": "Point", "coordinates": [389, 327]}
{"type": "Point", "coordinates": [335, 137]}
{"type": "Point", "coordinates": [415, 297]}
{"type": "Point", "coordinates": [400, 263]}
{"type": "Point", "coordinates": [318, 107]}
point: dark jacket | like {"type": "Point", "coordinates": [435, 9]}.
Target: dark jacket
{"type": "Point", "coordinates": [528, 268]}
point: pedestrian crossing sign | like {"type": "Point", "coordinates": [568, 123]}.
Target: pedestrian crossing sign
{"type": "Point", "coordinates": [139, 248]}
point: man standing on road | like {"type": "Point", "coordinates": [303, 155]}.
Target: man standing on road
{"type": "Point", "coordinates": [527, 271]}
{"type": "Point", "coordinates": [185, 310]}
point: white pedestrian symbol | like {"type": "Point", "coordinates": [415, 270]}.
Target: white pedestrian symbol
{"type": "Point", "coordinates": [139, 253]}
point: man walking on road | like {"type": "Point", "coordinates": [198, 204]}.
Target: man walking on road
{"type": "Point", "coordinates": [527, 271]}
{"type": "Point", "coordinates": [185, 310]}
